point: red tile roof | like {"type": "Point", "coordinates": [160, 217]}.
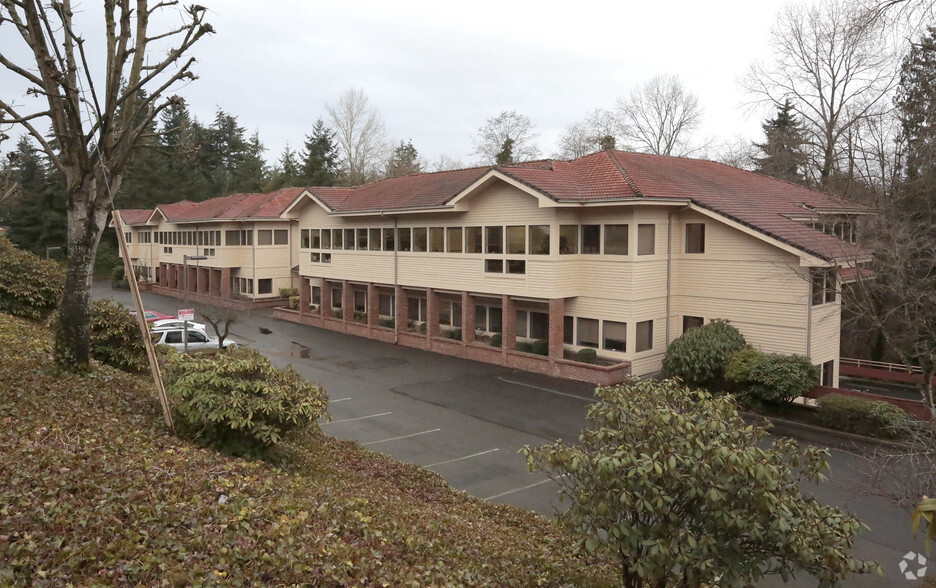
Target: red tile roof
{"type": "Point", "coordinates": [135, 216]}
{"type": "Point", "coordinates": [235, 206]}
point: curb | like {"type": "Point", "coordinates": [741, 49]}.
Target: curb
{"type": "Point", "coordinates": [822, 435]}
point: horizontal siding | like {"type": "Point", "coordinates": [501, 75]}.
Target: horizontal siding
{"type": "Point", "coordinates": [826, 332]}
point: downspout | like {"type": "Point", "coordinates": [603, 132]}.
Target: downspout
{"type": "Point", "coordinates": [669, 267]}
{"type": "Point", "coordinates": [809, 297]}
{"type": "Point", "coordinates": [396, 248]}
{"type": "Point", "coordinates": [253, 259]}
{"type": "Point", "coordinates": [292, 240]}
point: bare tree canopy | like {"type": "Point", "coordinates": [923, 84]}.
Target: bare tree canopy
{"type": "Point", "coordinates": [96, 118]}
{"type": "Point", "coordinates": [600, 129]}
{"type": "Point", "coordinates": [359, 132]}
{"type": "Point", "coordinates": [510, 126]}
{"type": "Point", "coordinates": [835, 65]}
{"type": "Point", "coordinates": [660, 116]}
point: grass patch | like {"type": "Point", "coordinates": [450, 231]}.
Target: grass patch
{"type": "Point", "coordinates": [95, 491]}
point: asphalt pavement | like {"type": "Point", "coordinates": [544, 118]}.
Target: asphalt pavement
{"type": "Point", "coordinates": [467, 421]}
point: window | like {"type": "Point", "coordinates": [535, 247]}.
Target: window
{"type": "Point", "coordinates": [588, 332]}
{"type": "Point", "coordinates": [695, 238]}
{"type": "Point", "coordinates": [488, 318]}
{"type": "Point", "coordinates": [539, 325]}
{"type": "Point", "coordinates": [568, 239]}
{"type": "Point", "coordinates": [591, 239]}
{"type": "Point", "coordinates": [568, 329]}
{"type": "Point", "coordinates": [494, 239]}
{"type": "Point", "coordinates": [420, 239]}
{"type": "Point", "coordinates": [232, 238]}
{"type": "Point", "coordinates": [360, 301]}
{"type": "Point", "coordinates": [406, 242]}
{"type": "Point", "coordinates": [336, 238]}
{"type": "Point", "coordinates": [361, 241]}
{"type": "Point", "coordinates": [516, 240]}
{"type": "Point", "coordinates": [174, 337]}
{"type": "Point", "coordinates": [336, 296]}
{"type": "Point", "coordinates": [455, 239]}
{"type": "Point", "coordinates": [473, 240]}
{"type": "Point", "coordinates": [615, 336]}
{"type": "Point", "coordinates": [416, 309]}
{"type": "Point", "coordinates": [375, 241]}
{"type": "Point", "coordinates": [539, 239]}
{"type": "Point", "coordinates": [315, 238]}
{"type": "Point", "coordinates": [691, 322]}
{"type": "Point", "coordinates": [494, 266]}
{"type": "Point", "coordinates": [265, 286]}
{"type": "Point", "coordinates": [521, 323]}
{"type": "Point", "coordinates": [316, 257]}
{"type": "Point", "coordinates": [828, 373]}
{"type": "Point", "coordinates": [437, 240]}
{"type": "Point", "coordinates": [388, 244]}
{"type": "Point", "coordinates": [326, 258]}
{"type": "Point", "coordinates": [128, 237]}
{"type": "Point", "coordinates": [304, 242]}
{"type": "Point", "coordinates": [644, 336]}
{"type": "Point", "coordinates": [317, 295]}
{"type": "Point", "coordinates": [450, 314]}
{"type": "Point", "coordinates": [385, 305]}
{"type": "Point", "coordinates": [615, 240]}
{"type": "Point", "coordinates": [264, 237]}
{"type": "Point", "coordinates": [823, 285]}
{"type": "Point", "coordinates": [349, 238]}
{"type": "Point", "coordinates": [196, 337]}
{"type": "Point", "coordinates": [646, 239]}
{"type": "Point", "coordinates": [516, 266]}
{"type": "Point", "coordinates": [281, 236]}
{"type": "Point", "coordinates": [326, 239]}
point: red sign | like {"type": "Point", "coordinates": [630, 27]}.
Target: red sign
{"type": "Point", "coordinates": [186, 314]}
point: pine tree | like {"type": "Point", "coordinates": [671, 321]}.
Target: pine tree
{"type": "Point", "coordinates": [403, 161]}
{"type": "Point", "coordinates": [287, 171]}
{"type": "Point", "coordinates": [320, 157]}
{"type": "Point", "coordinates": [916, 106]}
{"type": "Point", "coordinates": [36, 216]}
{"type": "Point", "coordinates": [505, 155]}
{"type": "Point", "coordinates": [250, 174]}
{"type": "Point", "coordinates": [784, 157]}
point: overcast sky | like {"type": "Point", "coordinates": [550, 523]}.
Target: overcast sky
{"type": "Point", "coordinates": [437, 70]}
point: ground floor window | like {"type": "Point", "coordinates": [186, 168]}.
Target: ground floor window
{"type": "Point", "coordinates": [828, 373]}
{"type": "Point", "coordinates": [336, 296]}
{"type": "Point", "coordinates": [489, 319]}
{"type": "Point", "coordinates": [588, 332]}
{"type": "Point", "coordinates": [316, 295]}
{"type": "Point", "coordinates": [450, 314]}
{"type": "Point", "coordinates": [615, 336]}
{"type": "Point", "coordinates": [360, 301]}
{"type": "Point", "coordinates": [568, 330]}
{"type": "Point", "coordinates": [644, 336]}
{"type": "Point", "coordinates": [416, 309]}
{"type": "Point", "coordinates": [387, 306]}
{"type": "Point", "coordinates": [691, 322]}
{"type": "Point", "coordinates": [532, 325]}
{"type": "Point", "coordinates": [241, 285]}
{"type": "Point", "coordinates": [265, 286]}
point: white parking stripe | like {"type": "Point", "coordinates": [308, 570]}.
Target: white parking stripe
{"type": "Point", "coordinates": [432, 465]}
{"type": "Point", "coordinates": [592, 400]}
{"type": "Point", "coordinates": [527, 487]}
{"type": "Point", "coordinates": [402, 437]}
{"type": "Point", "coordinates": [339, 400]}
{"type": "Point", "coordinates": [370, 416]}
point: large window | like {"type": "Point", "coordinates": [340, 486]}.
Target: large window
{"type": "Point", "coordinates": [646, 239]}
{"type": "Point", "coordinates": [316, 296]}
{"type": "Point", "coordinates": [360, 301]}
{"type": "Point", "coordinates": [494, 239]}
{"type": "Point", "coordinates": [264, 237]}
{"type": "Point", "coordinates": [336, 297]}
{"type": "Point", "coordinates": [236, 238]}
{"type": "Point", "coordinates": [386, 305]}
{"type": "Point", "coordinates": [488, 318]}
{"type": "Point", "coordinates": [281, 237]}
{"type": "Point", "coordinates": [539, 239]}
{"type": "Point", "coordinates": [450, 314]}
{"type": "Point", "coordinates": [420, 239]}
{"type": "Point", "coordinates": [568, 239]}
{"type": "Point", "coordinates": [454, 239]}
{"type": "Point", "coordinates": [644, 336]}
{"type": "Point", "coordinates": [828, 373]}
{"type": "Point", "coordinates": [349, 238]}
{"type": "Point", "coordinates": [591, 239]}
{"type": "Point", "coordinates": [588, 332]}
{"type": "Point", "coordinates": [437, 240]}
{"type": "Point", "coordinates": [516, 240]}
{"type": "Point", "coordinates": [315, 238]}
{"type": "Point", "coordinates": [695, 238]}
{"type": "Point", "coordinates": [615, 336]}
{"type": "Point", "coordinates": [265, 286]}
{"type": "Point", "coordinates": [336, 238]}
{"type": "Point", "coordinates": [326, 239]}
{"type": "Point", "coordinates": [416, 309]}
{"type": "Point", "coordinates": [406, 239]}
{"type": "Point", "coordinates": [361, 242]}
{"type": "Point", "coordinates": [823, 285]}
{"type": "Point", "coordinates": [388, 243]}
{"type": "Point", "coordinates": [375, 240]}
{"type": "Point", "coordinates": [304, 242]}
{"type": "Point", "coordinates": [473, 240]}
{"type": "Point", "coordinates": [615, 240]}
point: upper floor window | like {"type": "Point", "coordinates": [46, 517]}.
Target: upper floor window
{"type": "Point", "coordinates": [516, 240]}
{"type": "Point", "coordinates": [591, 239]}
{"type": "Point", "coordinates": [616, 239]}
{"type": "Point", "coordinates": [420, 239]}
{"type": "Point", "coordinates": [823, 285]}
{"type": "Point", "coordinates": [437, 240]}
{"type": "Point", "coordinates": [568, 239]}
{"type": "Point", "coordinates": [695, 237]}
{"type": "Point", "coordinates": [646, 239]}
{"type": "Point", "coordinates": [454, 239]}
{"type": "Point", "coordinates": [281, 237]}
{"type": "Point", "coordinates": [264, 237]}
{"type": "Point", "coordinates": [473, 243]}
{"type": "Point", "coordinates": [494, 239]}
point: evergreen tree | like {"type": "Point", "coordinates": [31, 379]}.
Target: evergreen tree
{"type": "Point", "coordinates": [784, 157]}
{"type": "Point", "coordinates": [505, 155]}
{"type": "Point", "coordinates": [250, 174]}
{"type": "Point", "coordinates": [287, 171]}
{"type": "Point", "coordinates": [320, 157]}
{"type": "Point", "coordinates": [403, 161]}
{"type": "Point", "coordinates": [181, 137]}
{"type": "Point", "coordinates": [36, 215]}
{"type": "Point", "coordinates": [916, 107]}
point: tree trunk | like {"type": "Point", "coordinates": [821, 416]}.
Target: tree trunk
{"type": "Point", "coordinates": [86, 222]}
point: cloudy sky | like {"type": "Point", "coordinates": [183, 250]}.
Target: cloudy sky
{"type": "Point", "coordinates": [438, 70]}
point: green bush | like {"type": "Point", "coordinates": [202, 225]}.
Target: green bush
{"type": "Point", "coordinates": [497, 339]}
{"type": "Point", "coordinates": [452, 334]}
{"type": "Point", "coordinates": [387, 322]}
{"type": "Point", "coordinates": [119, 278]}
{"type": "Point", "coordinates": [107, 257]}
{"type": "Point", "coordinates": [294, 302]}
{"type": "Point", "coordinates": [781, 378]}
{"type": "Point", "coordinates": [699, 356]}
{"type": "Point", "coordinates": [238, 401]}
{"type": "Point", "coordinates": [288, 292]}
{"type": "Point", "coordinates": [524, 346]}
{"type": "Point", "coordinates": [541, 347]}
{"type": "Point", "coordinates": [115, 337]}
{"type": "Point", "coordinates": [862, 416]}
{"type": "Point", "coordinates": [30, 287]}
{"type": "Point", "coordinates": [739, 366]}
{"type": "Point", "coordinates": [587, 355]}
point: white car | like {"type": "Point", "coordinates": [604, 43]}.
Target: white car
{"type": "Point", "coordinates": [177, 324]}
{"type": "Point", "coordinates": [197, 339]}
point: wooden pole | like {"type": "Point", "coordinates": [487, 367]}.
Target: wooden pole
{"type": "Point", "coordinates": [141, 321]}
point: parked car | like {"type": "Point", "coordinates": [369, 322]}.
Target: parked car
{"type": "Point", "coordinates": [177, 324]}
{"type": "Point", "coordinates": [198, 339]}
{"type": "Point", "coordinates": [152, 315]}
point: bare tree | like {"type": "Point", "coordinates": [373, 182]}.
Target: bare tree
{"type": "Point", "coordinates": [359, 132]}
{"type": "Point", "coordinates": [446, 163]}
{"type": "Point", "coordinates": [736, 152]}
{"type": "Point", "coordinates": [660, 116]}
{"type": "Point", "coordinates": [507, 129]}
{"type": "Point", "coordinates": [221, 316]}
{"type": "Point", "coordinates": [600, 129]}
{"type": "Point", "coordinates": [95, 123]}
{"type": "Point", "coordinates": [835, 65]}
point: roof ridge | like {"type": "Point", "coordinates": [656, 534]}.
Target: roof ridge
{"type": "Point", "coordinates": [620, 167]}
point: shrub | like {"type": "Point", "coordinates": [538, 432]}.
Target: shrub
{"type": "Point", "coordinates": [541, 347]}
{"type": "Point", "coordinates": [453, 334]}
{"type": "Point", "coordinates": [339, 314]}
{"type": "Point", "coordinates": [360, 317]}
{"type": "Point", "coordinates": [781, 378]}
{"type": "Point", "coordinates": [115, 337]}
{"type": "Point", "coordinates": [699, 356]}
{"type": "Point", "coordinates": [587, 355]}
{"type": "Point", "coordinates": [294, 302]}
{"type": "Point", "coordinates": [119, 278]}
{"type": "Point", "coordinates": [30, 287]}
{"type": "Point", "coordinates": [524, 346]}
{"type": "Point", "coordinates": [288, 292]}
{"type": "Point", "coordinates": [387, 322]}
{"type": "Point", "coordinates": [862, 416]}
{"type": "Point", "coordinates": [107, 257]}
{"type": "Point", "coordinates": [739, 366]}
{"type": "Point", "coordinates": [421, 328]}
{"type": "Point", "coordinates": [497, 339]}
{"type": "Point", "coordinates": [238, 401]}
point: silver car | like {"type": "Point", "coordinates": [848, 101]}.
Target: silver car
{"type": "Point", "coordinates": [197, 339]}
